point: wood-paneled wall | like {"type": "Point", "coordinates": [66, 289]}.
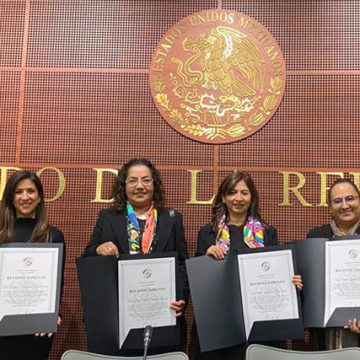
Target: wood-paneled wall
{"type": "Point", "coordinates": [75, 96]}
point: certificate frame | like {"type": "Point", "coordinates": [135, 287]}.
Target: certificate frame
{"type": "Point", "coordinates": [311, 256]}
{"type": "Point", "coordinates": [214, 282]}
{"type": "Point", "coordinates": [24, 324]}
{"type": "Point", "coordinates": [269, 330]}
{"type": "Point", "coordinates": [146, 272]}
{"type": "Point", "coordinates": [98, 280]}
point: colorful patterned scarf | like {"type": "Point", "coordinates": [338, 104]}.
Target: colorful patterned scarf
{"type": "Point", "coordinates": [253, 234]}
{"type": "Point", "coordinates": [133, 229]}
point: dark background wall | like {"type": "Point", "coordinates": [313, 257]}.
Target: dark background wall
{"type": "Point", "coordinates": [75, 96]}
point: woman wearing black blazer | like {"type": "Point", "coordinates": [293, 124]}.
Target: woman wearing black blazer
{"type": "Point", "coordinates": [138, 223]}
{"type": "Point", "coordinates": [111, 227]}
{"type": "Point", "coordinates": [344, 205]}
{"type": "Point", "coordinates": [236, 223]}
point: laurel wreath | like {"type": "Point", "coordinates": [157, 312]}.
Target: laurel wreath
{"type": "Point", "coordinates": [211, 133]}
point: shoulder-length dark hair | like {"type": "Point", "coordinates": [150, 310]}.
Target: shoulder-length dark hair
{"type": "Point", "coordinates": [219, 209]}
{"type": "Point", "coordinates": [342, 181]}
{"type": "Point", "coordinates": [41, 232]}
{"type": "Point", "coordinates": [119, 193]}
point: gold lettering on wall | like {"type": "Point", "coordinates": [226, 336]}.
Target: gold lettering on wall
{"type": "Point", "coordinates": [294, 183]}
{"type": "Point", "coordinates": [294, 189]}
{"type": "Point", "coordinates": [62, 181]}
{"type": "Point", "coordinates": [99, 182]}
{"type": "Point", "coordinates": [356, 177]}
{"type": "Point", "coordinates": [323, 185]}
{"type": "Point", "coordinates": [193, 190]}
{"type": "Point", "coordinates": [3, 177]}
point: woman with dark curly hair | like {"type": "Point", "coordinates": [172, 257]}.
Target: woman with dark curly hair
{"type": "Point", "coordinates": [23, 219]}
{"type": "Point", "coordinates": [236, 223]}
{"type": "Point", "coordinates": [138, 223]}
{"type": "Point", "coordinates": [120, 193]}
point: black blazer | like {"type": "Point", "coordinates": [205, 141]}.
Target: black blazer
{"type": "Point", "coordinates": [207, 237]}
{"type": "Point", "coordinates": [111, 225]}
{"type": "Point", "coordinates": [324, 231]}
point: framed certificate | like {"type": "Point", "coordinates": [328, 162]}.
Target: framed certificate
{"type": "Point", "coordinates": [30, 286]}
{"type": "Point", "coordinates": [118, 297]}
{"type": "Point", "coordinates": [342, 276]}
{"type": "Point", "coordinates": [266, 287]}
{"type": "Point", "coordinates": [146, 288]}
{"type": "Point", "coordinates": [331, 277]}
{"type": "Point", "coordinates": [249, 296]}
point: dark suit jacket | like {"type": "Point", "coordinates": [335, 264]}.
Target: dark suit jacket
{"type": "Point", "coordinates": [324, 231]}
{"type": "Point", "coordinates": [207, 237]}
{"type": "Point", "coordinates": [111, 225]}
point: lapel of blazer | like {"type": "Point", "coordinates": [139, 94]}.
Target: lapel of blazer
{"type": "Point", "coordinates": [327, 233]}
{"type": "Point", "coordinates": [119, 226]}
{"type": "Point", "coordinates": [165, 224]}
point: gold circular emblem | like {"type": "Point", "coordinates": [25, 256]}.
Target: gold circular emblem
{"type": "Point", "coordinates": [217, 76]}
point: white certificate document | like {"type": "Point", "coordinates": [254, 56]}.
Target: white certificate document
{"type": "Point", "coordinates": [28, 280]}
{"type": "Point", "coordinates": [342, 275]}
{"type": "Point", "coordinates": [146, 288]}
{"type": "Point", "coordinates": [267, 290]}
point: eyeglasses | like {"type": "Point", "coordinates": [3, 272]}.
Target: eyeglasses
{"type": "Point", "coordinates": [134, 181]}
{"type": "Point", "coordinates": [347, 199]}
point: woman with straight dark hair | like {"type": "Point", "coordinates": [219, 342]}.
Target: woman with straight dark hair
{"type": "Point", "coordinates": [236, 223]}
{"type": "Point", "coordinates": [23, 219]}
{"type": "Point", "coordinates": [236, 219]}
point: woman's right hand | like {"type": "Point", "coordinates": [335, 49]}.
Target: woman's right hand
{"type": "Point", "coordinates": [353, 326]}
{"type": "Point", "coordinates": [297, 281]}
{"type": "Point", "coordinates": [217, 252]}
{"type": "Point", "coordinates": [107, 249]}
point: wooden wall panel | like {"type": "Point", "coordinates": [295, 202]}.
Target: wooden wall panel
{"type": "Point", "coordinates": [119, 34]}
{"type": "Point", "coordinates": [313, 35]}
{"type": "Point", "coordinates": [317, 116]}
{"type": "Point", "coordinates": [12, 15]}
{"type": "Point", "coordinates": [105, 115]}
{"type": "Point", "coordinates": [9, 91]}
{"type": "Point", "coordinates": [75, 96]}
